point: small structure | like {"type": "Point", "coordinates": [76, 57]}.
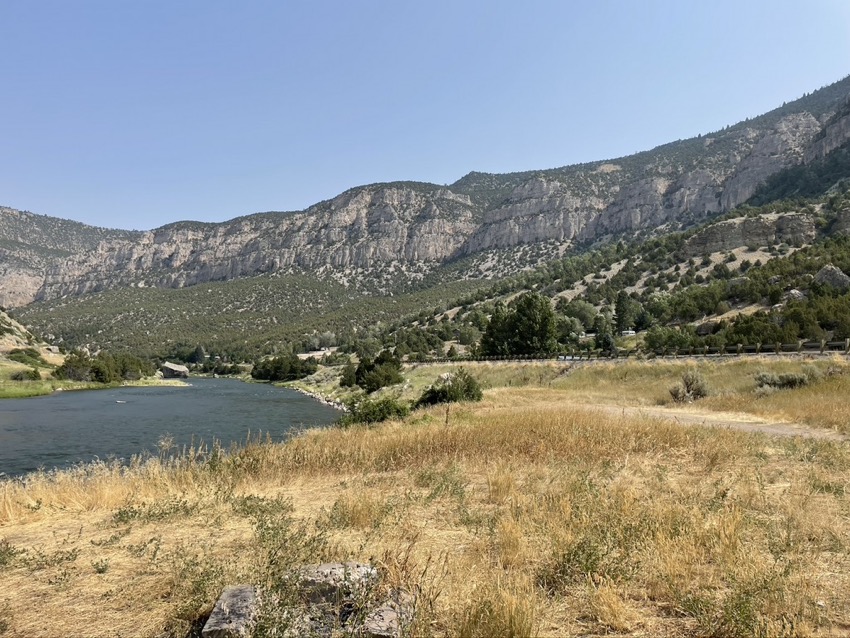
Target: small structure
{"type": "Point", "coordinates": [174, 371]}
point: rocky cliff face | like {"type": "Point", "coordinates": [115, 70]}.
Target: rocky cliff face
{"type": "Point", "coordinates": [765, 230]}
{"type": "Point", "coordinates": [358, 229]}
{"type": "Point", "coordinates": [413, 227]}
{"type": "Point", "coordinates": [779, 148]}
{"type": "Point", "coordinates": [537, 210]}
{"type": "Point", "coordinates": [834, 134]}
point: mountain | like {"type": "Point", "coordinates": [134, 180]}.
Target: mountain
{"type": "Point", "coordinates": [398, 237]}
{"type": "Point", "coordinates": [14, 336]}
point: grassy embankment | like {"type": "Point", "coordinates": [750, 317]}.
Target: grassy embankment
{"type": "Point", "coordinates": [646, 383]}
{"type": "Point", "coordinates": [12, 389]}
{"type": "Point", "coordinates": [528, 513]}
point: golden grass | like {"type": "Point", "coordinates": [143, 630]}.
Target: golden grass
{"type": "Point", "coordinates": [732, 384]}
{"type": "Point", "coordinates": [526, 515]}
{"type": "Point", "coordinates": [814, 404]}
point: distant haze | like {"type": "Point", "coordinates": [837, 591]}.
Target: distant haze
{"type": "Point", "coordinates": [134, 115]}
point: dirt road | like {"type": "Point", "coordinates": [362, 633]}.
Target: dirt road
{"type": "Point", "coordinates": [735, 421]}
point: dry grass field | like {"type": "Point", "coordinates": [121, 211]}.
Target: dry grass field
{"type": "Point", "coordinates": [530, 513]}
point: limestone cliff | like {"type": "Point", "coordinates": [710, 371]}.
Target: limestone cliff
{"type": "Point", "coordinates": [359, 229]}
{"type": "Point", "coordinates": [412, 228]}
{"type": "Point", "coordinates": [834, 134]}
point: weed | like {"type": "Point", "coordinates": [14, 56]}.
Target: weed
{"type": "Point", "coordinates": [500, 485]}
{"type": "Point", "coordinates": [196, 582]}
{"type": "Point", "coordinates": [403, 569]}
{"type": "Point", "coordinates": [101, 566]}
{"type": "Point", "coordinates": [155, 512]}
{"type": "Point", "coordinates": [442, 481]}
{"type": "Point", "coordinates": [827, 486]}
{"type": "Point", "coordinates": [113, 539]}
{"type": "Point", "coordinates": [151, 546]}
{"type": "Point", "coordinates": [511, 544]}
{"type": "Point", "coordinates": [38, 559]}
{"type": "Point", "coordinates": [498, 610]}
{"type": "Point", "coordinates": [283, 543]}
{"type": "Point", "coordinates": [361, 510]}
{"type": "Point", "coordinates": [7, 552]}
{"type": "Point", "coordinates": [692, 387]}
{"type": "Point", "coordinates": [62, 577]}
{"type": "Point", "coordinates": [609, 607]}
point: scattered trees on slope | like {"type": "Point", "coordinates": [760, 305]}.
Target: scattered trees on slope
{"type": "Point", "coordinates": [284, 368]}
{"type": "Point", "coordinates": [525, 327]}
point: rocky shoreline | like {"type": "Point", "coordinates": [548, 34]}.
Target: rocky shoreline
{"type": "Point", "coordinates": [337, 405]}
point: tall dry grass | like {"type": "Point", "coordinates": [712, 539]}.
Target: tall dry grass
{"type": "Point", "coordinates": [525, 515]}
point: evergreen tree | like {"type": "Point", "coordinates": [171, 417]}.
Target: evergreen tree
{"type": "Point", "coordinates": [533, 325]}
{"type": "Point", "coordinates": [526, 327]}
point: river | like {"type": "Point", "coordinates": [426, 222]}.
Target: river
{"type": "Point", "coordinates": [67, 428]}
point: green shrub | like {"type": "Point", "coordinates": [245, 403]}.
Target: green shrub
{"type": "Point", "coordinates": [7, 552]}
{"type": "Point", "coordinates": [380, 377]}
{"type": "Point", "coordinates": [348, 379]}
{"type": "Point", "coordinates": [692, 387]}
{"type": "Point", "coordinates": [375, 411]}
{"type": "Point", "coordinates": [785, 380]}
{"type": "Point", "coordinates": [26, 375]}
{"type": "Point", "coordinates": [460, 386]}
{"type": "Point", "coordinates": [27, 356]}
{"type": "Point", "coordinates": [385, 370]}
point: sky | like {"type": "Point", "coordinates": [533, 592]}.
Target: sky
{"type": "Point", "coordinates": [137, 113]}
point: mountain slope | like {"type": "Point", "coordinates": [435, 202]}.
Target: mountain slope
{"type": "Point", "coordinates": [383, 238]}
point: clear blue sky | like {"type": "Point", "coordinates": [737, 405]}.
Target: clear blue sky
{"type": "Point", "coordinates": [136, 113]}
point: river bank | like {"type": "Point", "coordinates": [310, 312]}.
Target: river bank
{"type": "Point", "coordinates": [45, 387]}
{"type": "Point", "coordinates": [525, 514]}
{"type": "Point", "coordinates": [316, 396]}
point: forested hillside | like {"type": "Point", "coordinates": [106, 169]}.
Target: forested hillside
{"type": "Point", "coordinates": [675, 242]}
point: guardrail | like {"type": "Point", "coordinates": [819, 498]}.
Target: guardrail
{"type": "Point", "coordinates": [577, 354]}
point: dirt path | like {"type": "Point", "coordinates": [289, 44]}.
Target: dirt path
{"type": "Point", "coordinates": [734, 421]}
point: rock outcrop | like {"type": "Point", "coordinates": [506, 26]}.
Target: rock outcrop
{"type": "Point", "coordinates": [359, 229]}
{"type": "Point", "coordinates": [780, 148]}
{"type": "Point", "coordinates": [174, 371]}
{"type": "Point", "coordinates": [835, 134]}
{"type": "Point", "coordinates": [763, 230]}
{"type": "Point", "coordinates": [833, 276]}
{"type": "Point", "coordinates": [409, 229]}
{"type": "Point", "coordinates": [234, 614]}
{"type": "Point", "coordinates": [537, 210]}
{"type": "Point", "coordinates": [335, 599]}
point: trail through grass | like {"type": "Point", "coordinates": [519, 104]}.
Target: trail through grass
{"type": "Point", "coordinates": [526, 514]}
